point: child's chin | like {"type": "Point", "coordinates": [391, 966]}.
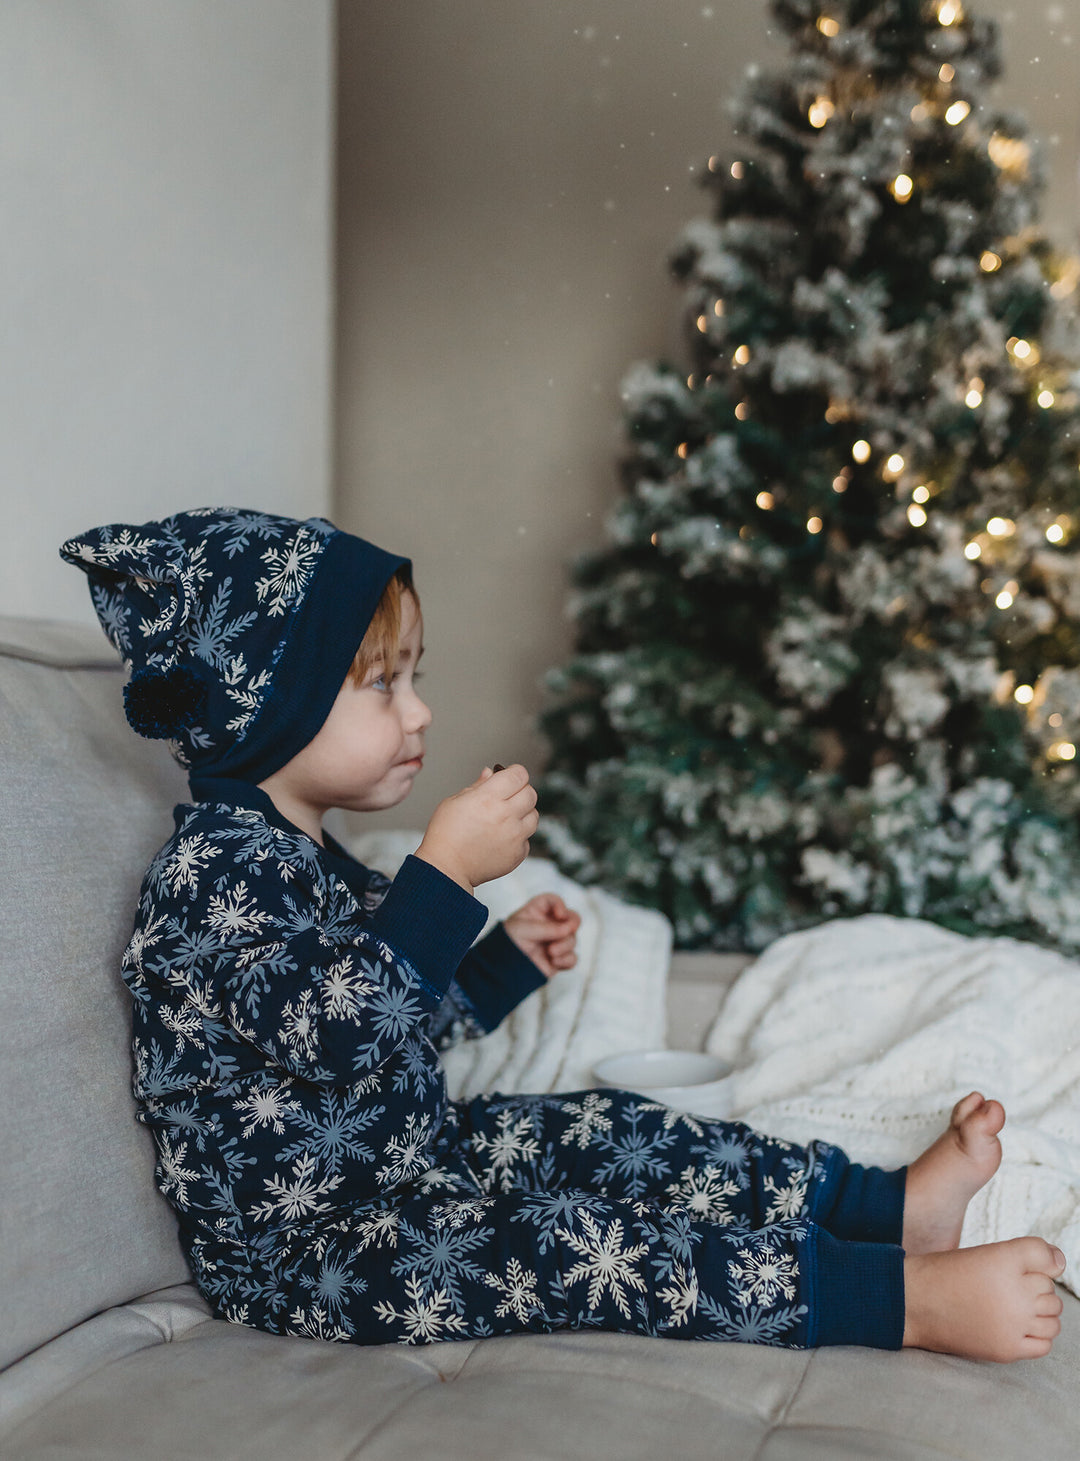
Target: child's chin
{"type": "Point", "coordinates": [381, 800]}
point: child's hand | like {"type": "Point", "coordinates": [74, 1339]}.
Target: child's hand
{"type": "Point", "coordinates": [482, 832]}
{"type": "Point", "coordinates": [546, 930]}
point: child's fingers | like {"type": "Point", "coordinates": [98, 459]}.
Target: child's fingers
{"type": "Point", "coordinates": [512, 779]}
{"type": "Point", "coordinates": [551, 906]}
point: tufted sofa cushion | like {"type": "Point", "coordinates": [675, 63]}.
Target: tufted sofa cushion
{"type": "Point", "coordinates": [83, 806]}
{"type": "Point", "coordinates": [111, 1355]}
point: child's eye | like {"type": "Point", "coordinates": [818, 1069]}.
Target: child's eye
{"type": "Point", "coordinates": [380, 682]}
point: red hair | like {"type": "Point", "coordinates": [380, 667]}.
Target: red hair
{"type": "Point", "coordinates": [379, 645]}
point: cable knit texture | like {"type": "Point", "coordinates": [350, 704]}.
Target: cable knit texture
{"type": "Point", "coordinates": [865, 1032]}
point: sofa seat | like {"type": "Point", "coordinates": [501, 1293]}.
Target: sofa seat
{"type": "Point", "coordinates": [176, 1385]}
{"type": "Point", "coordinates": [111, 1355]}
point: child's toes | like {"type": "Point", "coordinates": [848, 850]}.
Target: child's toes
{"type": "Point", "coordinates": [1039, 1256]}
{"type": "Point", "coordinates": [1044, 1328]}
{"type": "Point", "coordinates": [988, 1119]}
{"type": "Point", "coordinates": [965, 1107]}
{"type": "Point", "coordinates": [976, 1118]}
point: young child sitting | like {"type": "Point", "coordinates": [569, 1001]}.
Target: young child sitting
{"type": "Point", "coordinates": [289, 1003]}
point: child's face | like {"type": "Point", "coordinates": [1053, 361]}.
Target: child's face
{"type": "Point", "coordinates": [371, 745]}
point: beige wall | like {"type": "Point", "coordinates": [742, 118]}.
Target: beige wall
{"type": "Point", "coordinates": [511, 177]}
{"type": "Point", "coordinates": [165, 269]}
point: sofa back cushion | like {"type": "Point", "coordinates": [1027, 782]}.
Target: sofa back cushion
{"type": "Point", "coordinates": [84, 804]}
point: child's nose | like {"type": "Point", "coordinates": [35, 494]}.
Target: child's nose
{"type": "Point", "coordinates": [419, 716]}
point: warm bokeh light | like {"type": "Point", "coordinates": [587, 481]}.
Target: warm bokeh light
{"type": "Point", "coordinates": [901, 187]}
{"type": "Point", "coordinates": [957, 112]}
{"type": "Point", "coordinates": [766, 500]}
{"type": "Point", "coordinates": [1010, 154]}
{"type": "Point", "coordinates": [921, 493]}
{"type": "Point", "coordinates": [916, 516]}
{"type": "Point", "coordinates": [742, 355]}
{"type": "Point", "coordinates": [737, 169]}
{"type": "Point", "coordinates": [1024, 694]}
{"type": "Point", "coordinates": [973, 398]}
{"type": "Point", "coordinates": [742, 410]}
{"type": "Point", "coordinates": [949, 12]}
{"type": "Point", "coordinates": [861, 451]}
{"type": "Point", "coordinates": [814, 525]}
{"type": "Point", "coordinates": [990, 262]}
{"type": "Point", "coordinates": [1055, 533]}
{"type": "Point", "coordinates": [947, 72]}
{"type": "Point", "coordinates": [821, 109]}
{"type": "Point", "coordinates": [1067, 280]}
{"type": "Point", "coordinates": [828, 26]}
{"type": "Point", "coordinates": [1046, 399]}
{"type": "Point", "coordinates": [973, 551]}
{"type": "Point", "coordinates": [1000, 527]}
{"type": "Point", "coordinates": [1004, 599]}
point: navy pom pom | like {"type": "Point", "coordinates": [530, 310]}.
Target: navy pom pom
{"type": "Point", "coordinates": [161, 703]}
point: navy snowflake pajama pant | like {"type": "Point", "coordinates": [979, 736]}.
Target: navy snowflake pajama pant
{"type": "Point", "coordinates": [600, 1209]}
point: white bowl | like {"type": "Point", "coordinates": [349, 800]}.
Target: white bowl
{"type": "Point", "coordinates": [687, 1080]}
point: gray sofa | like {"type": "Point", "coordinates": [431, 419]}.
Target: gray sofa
{"type": "Point", "coordinates": [109, 1352]}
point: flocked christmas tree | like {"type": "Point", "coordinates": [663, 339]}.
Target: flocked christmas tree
{"type": "Point", "coordinates": [829, 660]}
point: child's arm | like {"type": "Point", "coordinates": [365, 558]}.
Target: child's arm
{"type": "Point", "coordinates": [493, 978]}
{"type": "Point", "coordinates": [506, 966]}
{"type": "Point", "coordinates": [286, 964]}
{"type": "Point", "coordinates": [327, 1000]}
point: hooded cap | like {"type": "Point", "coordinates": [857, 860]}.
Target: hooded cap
{"type": "Point", "coordinates": [238, 628]}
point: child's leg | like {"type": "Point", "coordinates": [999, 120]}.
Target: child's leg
{"type": "Point", "coordinates": [618, 1144]}
{"type": "Point", "coordinates": [455, 1266]}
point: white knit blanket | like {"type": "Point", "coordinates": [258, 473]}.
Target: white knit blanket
{"type": "Point", "coordinates": [866, 1031]}
{"type": "Point", "coordinates": [613, 999]}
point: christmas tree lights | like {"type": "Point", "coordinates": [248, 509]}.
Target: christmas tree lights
{"type": "Point", "coordinates": [829, 660]}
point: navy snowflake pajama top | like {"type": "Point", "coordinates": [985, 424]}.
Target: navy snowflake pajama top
{"type": "Point", "coordinates": [289, 1005]}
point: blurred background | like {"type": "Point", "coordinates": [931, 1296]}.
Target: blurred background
{"type": "Point", "coordinates": [385, 261]}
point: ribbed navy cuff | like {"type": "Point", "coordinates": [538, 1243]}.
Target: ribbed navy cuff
{"type": "Point", "coordinates": [866, 1205]}
{"type": "Point", "coordinates": [496, 976]}
{"type": "Point", "coordinates": [855, 1292]}
{"type": "Point", "coordinates": [430, 920]}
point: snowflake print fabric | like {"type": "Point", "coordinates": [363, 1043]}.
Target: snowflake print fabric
{"type": "Point", "coordinates": [289, 1007]}
{"type": "Point", "coordinates": [238, 627]}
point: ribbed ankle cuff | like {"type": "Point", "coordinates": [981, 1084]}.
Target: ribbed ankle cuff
{"type": "Point", "coordinates": [856, 1292]}
{"type": "Point", "coordinates": [866, 1204]}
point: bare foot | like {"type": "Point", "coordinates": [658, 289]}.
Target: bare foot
{"type": "Point", "coordinates": [942, 1182]}
{"type": "Point", "coordinates": [993, 1302]}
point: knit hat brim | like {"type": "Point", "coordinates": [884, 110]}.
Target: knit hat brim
{"type": "Point", "coordinates": [314, 659]}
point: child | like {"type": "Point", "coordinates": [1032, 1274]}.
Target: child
{"type": "Point", "coordinates": [289, 1003]}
